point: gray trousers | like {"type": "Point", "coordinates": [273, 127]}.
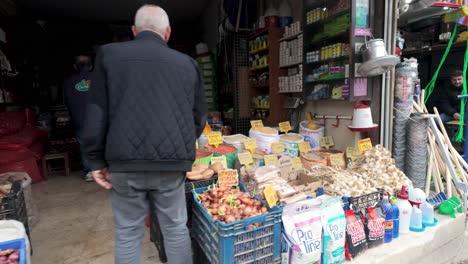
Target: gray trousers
{"type": "Point", "coordinates": [130, 197]}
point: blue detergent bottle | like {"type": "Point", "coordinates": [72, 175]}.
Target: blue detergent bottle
{"type": "Point", "coordinates": [396, 217]}
{"type": "Point", "coordinates": [388, 212]}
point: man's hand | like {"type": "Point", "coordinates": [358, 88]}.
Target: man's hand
{"type": "Point", "coordinates": [102, 177]}
{"type": "Point", "coordinates": [456, 116]}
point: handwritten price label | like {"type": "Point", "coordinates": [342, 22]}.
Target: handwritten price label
{"type": "Point", "coordinates": [297, 163]}
{"type": "Point", "coordinates": [277, 147]}
{"type": "Point", "coordinates": [364, 145]}
{"type": "Point", "coordinates": [250, 144]}
{"type": "Point", "coordinates": [270, 195]}
{"type": "Point", "coordinates": [352, 153]}
{"type": "Point", "coordinates": [304, 147]}
{"type": "Point", "coordinates": [245, 158]}
{"type": "Point", "coordinates": [220, 159]}
{"type": "Point", "coordinates": [256, 123]}
{"type": "Point", "coordinates": [271, 160]}
{"type": "Point", "coordinates": [337, 160]}
{"type": "Point", "coordinates": [326, 142]}
{"type": "Point", "coordinates": [284, 126]}
{"type": "Point", "coordinates": [228, 178]}
{"type": "Point", "coordinates": [215, 139]}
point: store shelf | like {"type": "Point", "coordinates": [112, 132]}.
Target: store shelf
{"type": "Point", "coordinates": [260, 68]}
{"type": "Point", "coordinates": [329, 38]}
{"type": "Point", "coordinates": [328, 60]}
{"type": "Point", "coordinates": [260, 86]}
{"type": "Point", "coordinates": [291, 65]}
{"type": "Point", "coordinates": [287, 92]}
{"type": "Point", "coordinates": [329, 80]}
{"type": "Point", "coordinates": [290, 37]}
{"type": "Point", "coordinates": [440, 47]}
{"type": "Point", "coordinates": [259, 33]}
{"type": "Point", "coordinates": [259, 108]}
{"type": "Point", "coordinates": [258, 51]}
{"type": "Point", "coordinates": [328, 19]}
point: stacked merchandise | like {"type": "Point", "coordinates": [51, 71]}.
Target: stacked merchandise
{"type": "Point", "coordinates": [207, 64]}
{"type": "Point", "coordinates": [292, 83]}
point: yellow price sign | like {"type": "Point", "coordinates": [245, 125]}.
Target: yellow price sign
{"type": "Point", "coordinates": [271, 160]}
{"type": "Point", "coordinates": [245, 158]}
{"type": "Point", "coordinates": [352, 153]}
{"type": "Point", "coordinates": [196, 144]}
{"type": "Point", "coordinates": [337, 160]}
{"type": "Point", "coordinates": [220, 159]}
{"type": "Point", "coordinates": [250, 144]}
{"type": "Point", "coordinates": [228, 178]}
{"type": "Point", "coordinates": [256, 123]}
{"type": "Point", "coordinates": [270, 195]}
{"type": "Point", "coordinates": [304, 147]}
{"type": "Point", "coordinates": [326, 142]}
{"type": "Point", "coordinates": [215, 139]}
{"type": "Point", "coordinates": [364, 145]}
{"type": "Point", "coordinates": [284, 126]}
{"type": "Point", "coordinates": [277, 147]}
{"type": "Point", "coordinates": [297, 162]}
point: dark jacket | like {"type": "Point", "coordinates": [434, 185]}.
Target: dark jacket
{"type": "Point", "coordinates": [147, 107]}
{"type": "Point", "coordinates": [445, 99]}
{"type": "Point", "coordinates": [75, 92]}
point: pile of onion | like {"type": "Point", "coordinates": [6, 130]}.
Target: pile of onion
{"type": "Point", "coordinates": [230, 205]}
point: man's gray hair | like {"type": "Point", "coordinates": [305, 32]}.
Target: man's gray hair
{"type": "Point", "coordinates": [151, 18]}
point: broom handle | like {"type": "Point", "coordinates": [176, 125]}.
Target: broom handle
{"type": "Point", "coordinates": [429, 172]}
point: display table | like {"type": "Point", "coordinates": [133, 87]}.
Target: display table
{"type": "Point", "coordinates": [445, 243]}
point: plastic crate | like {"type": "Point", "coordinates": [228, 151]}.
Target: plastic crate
{"type": "Point", "coordinates": [17, 244]}
{"type": "Point", "coordinates": [13, 206]}
{"type": "Point", "coordinates": [232, 243]}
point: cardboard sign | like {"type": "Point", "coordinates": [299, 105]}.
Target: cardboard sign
{"type": "Point", "coordinates": [220, 159]}
{"type": "Point", "coordinates": [364, 145]}
{"type": "Point", "coordinates": [228, 178]}
{"type": "Point", "coordinates": [215, 139]}
{"type": "Point", "coordinates": [250, 144]}
{"type": "Point", "coordinates": [352, 153]}
{"type": "Point", "coordinates": [256, 123]}
{"type": "Point", "coordinates": [297, 162]}
{"type": "Point", "coordinates": [284, 126]}
{"type": "Point", "coordinates": [287, 170]}
{"type": "Point", "coordinates": [277, 147]}
{"type": "Point", "coordinates": [326, 142]}
{"type": "Point", "coordinates": [245, 158]}
{"type": "Point", "coordinates": [271, 160]}
{"type": "Point", "coordinates": [304, 147]}
{"type": "Point", "coordinates": [337, 160]}
{"type": "Point", "coordinates": [270, 195]}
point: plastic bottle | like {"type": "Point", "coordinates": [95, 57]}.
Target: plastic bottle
{"type": "Point", "coordinates": [396, 217]}
{"type": "Point", "coordinates": [405, 210]}
{"type": "Point", "coordinates": [387, 210]}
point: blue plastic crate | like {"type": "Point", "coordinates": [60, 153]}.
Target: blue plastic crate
{"type": "Point", "coordinates": [16, 244]}
{"type": "Point", "coordinates": [232, 243]}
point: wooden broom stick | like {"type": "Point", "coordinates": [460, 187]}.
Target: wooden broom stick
{"type": "Point", "coordinates": [429, 171]}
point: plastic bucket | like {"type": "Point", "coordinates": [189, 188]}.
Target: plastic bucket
{"type": "Point", "coordinates": [311, 136]}
{"type": "Point", "coordinates": [291, 141]}
{"type": "Point", "coordinates": [236, 140]}
{"type": "Point", "coordinates": [264, 140]}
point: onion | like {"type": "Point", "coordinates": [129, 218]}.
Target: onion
{"type": "Point", "coordinates": [230, 219]}
{"type": "Point", "coordinates": [216, 217]}
{"type": "Point", "coordinates": [248, 211]}
{"type": "Point", "coordinates": [257, 203]}
{"type": "Point", "coordinates": [264, 210]}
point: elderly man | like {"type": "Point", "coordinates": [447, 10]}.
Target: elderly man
{"type": "Point", "coordinates": [147, 107]}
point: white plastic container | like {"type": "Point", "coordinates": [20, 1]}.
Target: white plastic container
{"type": "Point", "coordinates": [405, 211]}
{"type": "Point", "coordinates": [427, 214]}
{"type": "Point", "coordinates": [311, 136]}
{"type": "Point", "coordinates": [291, 141]}
{"type": "Point", "coordinates": [236, 140]}
{"type": "Point", "coordinates": [265, 140]}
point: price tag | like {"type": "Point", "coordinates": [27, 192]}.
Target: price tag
{"type": "Point", "coordinates": [277, 147]}
{"type": "Point", "coordinates": [284, 126]}
{"type": "Point", "coordinates": [337, 160]}
{"type": "Point", "coordinates": [364, 145]}
{"type": "Point", "coordinates": [256, 123]}
{"type": "Point", "coordinates": [287, 168]}
{"type": "Point", "coordinates": [250, 144]}
{"type": "Point", "coordinates": [326, 142]}
{"type": "Point", "coordinates": [245, 158]}
{"type": "Point", "coordinates": [228, 178]}
{"type": "Point", "coordinates": [196, 144]}
{"type": "Point", "coordinates": [270, 195]}
{"type": "Point", "coordinates": [297, 162]}
{"type": "Point", "coordinates": [352, 153]}
{"type": "Point", "coordinates": [220, 159]}
{"type": "Point", "coordinates": [304, 147]}
{"type": "Point", "coordinates": [271, 160]}
{"type": "Point", "coordinates": [215, 139]}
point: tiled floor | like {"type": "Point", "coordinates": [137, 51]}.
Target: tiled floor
{"type": "Point", "coordinates": [75, 224]}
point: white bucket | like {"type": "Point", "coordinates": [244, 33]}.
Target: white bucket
{"type": "Point", "coordinates": [264, 140]}
{"type": "Point", "coordinates": [291, 141]}
{"type": "Point", "coordinates": [203, 140]}
{"type": "Point", "coordinates": [311, 136]}
{"type": "Point", "coordinates": [236, 140]}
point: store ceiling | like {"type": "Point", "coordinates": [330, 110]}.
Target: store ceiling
{"type": "Point", "coordinates": [179, 11]}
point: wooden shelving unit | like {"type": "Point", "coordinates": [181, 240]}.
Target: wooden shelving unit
{"type": "Point", "coordinates": [276, 111]}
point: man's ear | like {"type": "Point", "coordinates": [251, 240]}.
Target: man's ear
{"type": "Point", "coordinates": [167, 34]}
{"type": "Point", "coordinates": [135, 31]}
